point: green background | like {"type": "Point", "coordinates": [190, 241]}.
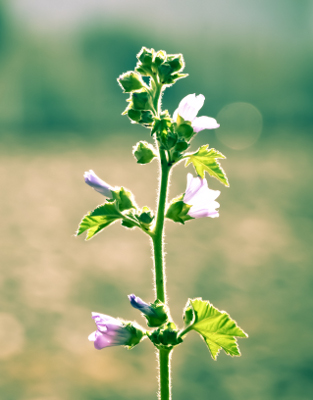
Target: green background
{"type": "Point", "coordinates": [60, 109]}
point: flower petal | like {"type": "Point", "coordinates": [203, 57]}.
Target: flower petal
{"type": "Point", "coordinates": [201, 213]}
{"type": "Point", "coordinates": [201, 123]}
{"type": "Point", "coordinates": [189, 107]}
{"type": "Point", "coordinates": [141, 305]}
{"type": "Point", "coordinates": [97, 184]}
{"type": "Point", "coordinates": [102, 341]}
{"type": "Point", "coordinates": [201, 198]}
{"type": "Point", "coordinates": [193, 186]}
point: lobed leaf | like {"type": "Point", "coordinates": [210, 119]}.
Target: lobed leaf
{"type": "Point", "coordinates": [205, 160]}
{"type": "Point", "coordinates": [216, 327]}
{"type": "Point", "coordinates": [98, 219]}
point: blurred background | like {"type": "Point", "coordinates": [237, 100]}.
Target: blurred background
{"type": "Point", "coordinates": [60, 109]}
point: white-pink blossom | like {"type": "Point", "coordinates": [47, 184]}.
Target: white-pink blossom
{"type": "Point", "coordinates": [201, 198]}
{"type": "Point", "coordinates": [188, 109]}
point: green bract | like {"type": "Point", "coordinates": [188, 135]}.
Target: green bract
{"type": "Point", "coordinates": [131, 81]}
{"type": "Point", "coordinates": [178, 210]}
{"type": "Point", "coordinates": [137, 334]}
{"type": "Point", "coordinates": [166, 337]}
{"type": "Point", "coordinates": [160, 316]}
{"type": "Point", "coordinates": [144, 152]}
{"type": "Point", "coordinates": [216, 327]}
{"type": "Point", "coordinates": [205, 159]}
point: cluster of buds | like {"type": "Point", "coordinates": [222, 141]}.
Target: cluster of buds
{"type": "Point", "coordinates": [162, 69]}
{"type": "Point", "coordinates": [159, 65]}
{"type": "Point", "coordinates": [117, 332]}
{"type": "Point", "coordinates": [175, 134]}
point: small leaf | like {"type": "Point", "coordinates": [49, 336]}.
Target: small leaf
{"type": "Point", "coordinates": [144, 152]}
{"type": "Point", "coordinates": [206, 160]}
{"type": "Point", "coordinates": [216, 327]}
{"type": "Point", "coordinates": [98, 219]}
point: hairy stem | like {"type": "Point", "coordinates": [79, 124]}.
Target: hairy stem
{"type": "Point", "coordinates": [158, 242]}
{"type": "Point", "coordinates": [165, 374]}
{"type": "Point", "coordinates": [158, 252]}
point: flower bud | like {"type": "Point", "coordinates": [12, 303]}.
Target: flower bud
{"type": "Point", "coordinates": [160, 57]}
{"type": "Point", "coordinates": [141, 100]}
{"type": "Point", "coordinates": [181, 145]}
{"type": "Point", "coordinates": [165, 337]}
{"type": "Point", "coordinates": [134, 115]}
{"type": "Point", "coordinates": [155, 313]}
{"type": "Point", "coordinates": [146, 118]}
{"type": "Point", "coordinates": [146, 218]}
{"type": "Point", "coordinates": [98, 184]}
{"type": "Point", "coordinates": [185, 131]}
{"type": "Point", "coordinates": [130, 81]}
{"type": "Point", "coordinates": [145, 56]}
{"type": "Point", "coordinates": [176, 61]}
{"type": "Point", "coordinates": [165, 72]}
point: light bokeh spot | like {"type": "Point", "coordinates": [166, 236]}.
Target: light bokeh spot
{"type": "Point", "coordinates": [240, 125]}
{"type": "Point", "coordinates": [11, 336]}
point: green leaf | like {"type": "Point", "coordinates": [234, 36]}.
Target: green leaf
{"type": "Point", "coordinates": [216, 327]}
{"type": "Point", "coordinates": [206, 160]}
{"type": "Point", "coordinates": [98, 219]}
{"type": "Point", "coordinates": [178, 211]}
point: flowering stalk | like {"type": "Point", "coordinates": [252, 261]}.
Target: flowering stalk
{"type": "Point", "coordinates": [159, 262]}
{"type": "Point", "coordinates": [172, 136]}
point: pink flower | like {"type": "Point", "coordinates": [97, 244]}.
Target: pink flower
{"type": "Point", "coordinates": [201, 198]}
{"type": "Point", "coordinates": [110, 332]}
{"type": "Point", "coordinates": [188, 109]}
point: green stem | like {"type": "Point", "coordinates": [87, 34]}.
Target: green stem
{"type": "Point", "coordinates": [158, 251]}
{"type": "Point", "coordinates": [158, 245]}
{"type": "Point", "coordinates": [165, 374]}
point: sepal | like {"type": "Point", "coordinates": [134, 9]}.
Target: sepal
{"type": "Point", "coordinates": [124, 199]}
{"type": "Point", "coordinates": [166, 337]}
{"type": "Point", "coordinates": [137, 334]}
{"type": "Point", "coordinates": [144, 152]}
{"type": "Point", "coordinates": [178, 210]}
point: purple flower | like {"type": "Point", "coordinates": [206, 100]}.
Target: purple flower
{"type": "Point", "coordinates": [110, 332]}
{"type": "Point", "coordinates": [188, 109]}
{"type": "Point", "coordinates": [98, 184]}
{"type": "Point", "coordinates": [201, 198]}
{"type": "Point", "coordinates": [136, 302]}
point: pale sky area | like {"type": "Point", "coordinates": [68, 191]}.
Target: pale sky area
{"type": "Point", "coordinates": [47, 15]}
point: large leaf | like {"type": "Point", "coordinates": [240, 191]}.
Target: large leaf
{"type": "Point", "coordinates": [216, 327]}
{"type": "Point", "coordinates": [205, 159]}
{"type": "Point", "coordinates": [98, 219]}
